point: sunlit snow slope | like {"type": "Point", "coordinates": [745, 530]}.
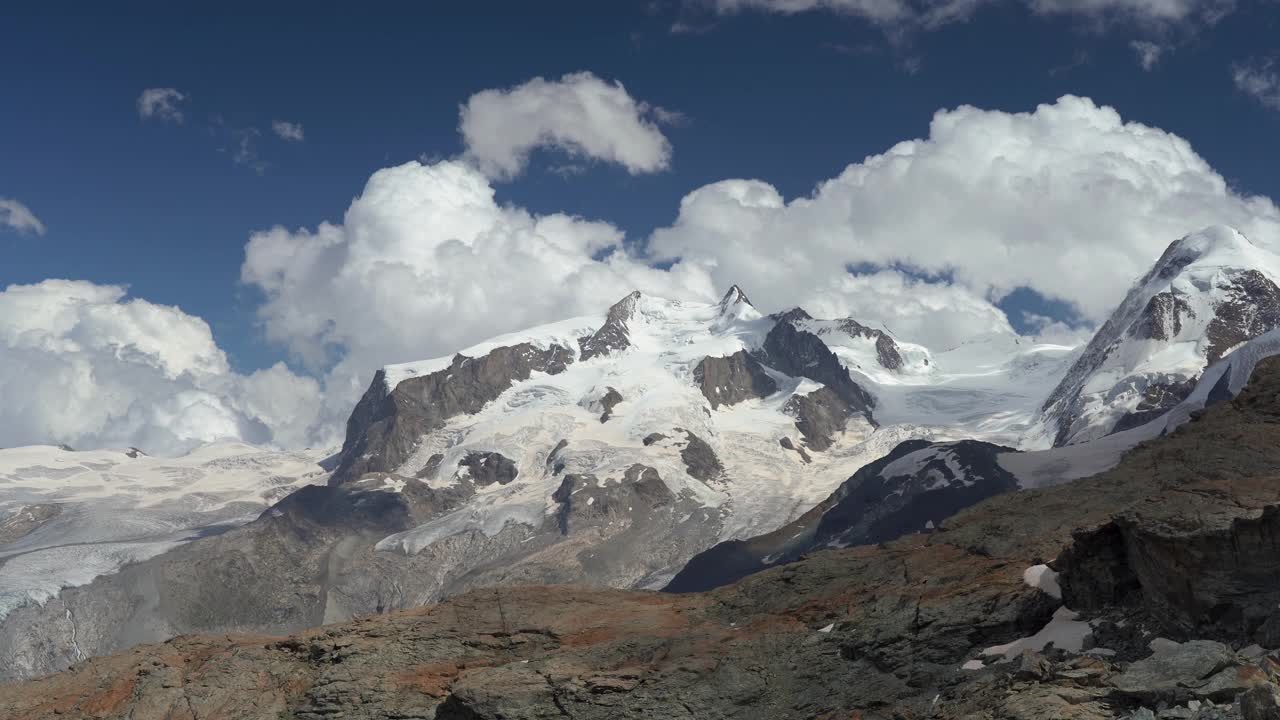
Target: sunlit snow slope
{"type": "Point", "coordinates": [67, 517]}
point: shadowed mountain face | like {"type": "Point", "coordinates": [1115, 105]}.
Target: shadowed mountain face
{"type": "Point", "coordinates": [901, 617]}
{"type": "Point", "coordinates": [912, 489]}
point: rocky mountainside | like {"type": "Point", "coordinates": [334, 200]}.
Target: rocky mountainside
{"type": "Point", "coordinates": [1146, 591]}
{"type": "Point", "coordinates": [611, 450]}
{"type": "Point", "coordinates": [1208, 293]}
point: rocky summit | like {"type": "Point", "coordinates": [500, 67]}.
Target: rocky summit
{"type": "Point", "coordinates": [1147, 591]}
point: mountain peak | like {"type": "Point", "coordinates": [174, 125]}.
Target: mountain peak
{"type": "Point", "coordinates": [734, 297]}
{"type": "Point", "coordinates": [1214, 246]}
{"type": "Point", "coordinates": [1209, 292]}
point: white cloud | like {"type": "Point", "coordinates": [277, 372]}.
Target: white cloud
{"type": "Point", "coordinates": [1149, 53]}
{"type": "Point", "coordinates": [425, 263]}
{"type": "Point", "coordinates": [579, 114]}
{"type": "Point", "coordinates": [19, 217]}
{"type": "Point", "coordinates": [1260, 80]}
{"type": "Point", "coordinates": [161, 104]}
{"type": "Point", "coordinates": [291, 132]}
{"type": "Point", "coordinates": [911, 309]}
{"type": "Point", "coordinates": [916, 14]}
{"type": "Point", "coordinates": [81, 364]}
{"type": "Point", "coordinates": [1068, 200]}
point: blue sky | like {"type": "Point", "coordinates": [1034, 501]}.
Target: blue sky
{"type": "Point", "coordinates": [789, 98]}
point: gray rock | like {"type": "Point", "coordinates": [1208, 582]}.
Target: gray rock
{"type": "Point", "coordinates": [788, 445]}
{"type": "Point", "coordinates": [1259, 703]}
{"type": "Point", "coordinates": [608, 402]}
{"type": "Point", "coordinates": [820, 416]}
{"type": "Point", "coordinates": [800, 353]}
{"type": "Point", "coordinates": [652, 438]}
{"type": "Point", "coordinates": [613, 336]}
{"type": "Point", "coordinates": [487, 468]}
{"type": "Point", "coordinates": [700, 459]}
{"type": "Point", "coordinates": [1191, 670]}
{"type": "Point", "coordinates": [730, 380]}
{"type": "Point", "coordinates": [429, 470]}
{"type": "Point", "coordinates": [387, 423]}
{"type": "Point", "coordinates": [1252, 307]}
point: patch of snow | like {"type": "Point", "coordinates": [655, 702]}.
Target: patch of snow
{"type": "Point", "coordinates": [1065, 631]}
{"type": "Point", "coordinates": [973, 665]}
{"type": "Point", "coordinates": [827, 628]}
{"type": "Point", "coordinates": [1042, 577]}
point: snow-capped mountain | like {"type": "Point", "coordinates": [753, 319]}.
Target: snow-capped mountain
{"type": "Point", "coordinates": [1208, 293]}
{"type": "Point", "coordinates": [611, 449]}
{"type": "Point", "coordinates": [748, 420]}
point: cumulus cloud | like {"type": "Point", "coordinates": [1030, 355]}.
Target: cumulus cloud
{"type": "Point", "coordinates": [18, 217]}
{"type": "Point", "coordinates": [425, 263]}
{"type": "Point", "coordinates": [82, 364]}
{"type": "Point", "coordinates": [993, 200]}
{"type": "Point", "coordinates": [1149, 53]}
{"type": "Point", "coordinates": [163, 104]}
{"type": "Point", "coordinates": [913, 309]}
{"type": "Point", "coordinates": [290, 132]}
{"type": "Point", "coordinates": [579, 114]}
{"type": "Point", "coordinates": [1260, 80]}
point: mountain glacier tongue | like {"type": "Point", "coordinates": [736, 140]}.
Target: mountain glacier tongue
{"type": "Point", "coordinates": [1208, 293]}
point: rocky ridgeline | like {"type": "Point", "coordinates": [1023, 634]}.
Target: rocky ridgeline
{"type": "Point", "coordinates": [1169, 559]}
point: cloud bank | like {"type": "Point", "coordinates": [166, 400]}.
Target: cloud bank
{"type": "Point", "coordinates": [427, 261]}
{"type": "Point", "coordinates": [579, 114]}
{"type": "Point", "coordinates": [84, 365]}
{"type": "Point", "coordinates": [992, 200]}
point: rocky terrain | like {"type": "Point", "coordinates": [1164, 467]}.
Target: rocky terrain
{"type": "Point", "coordinates": [1147, 591]}
{"type": "Point", "coordinates": [612, 450]}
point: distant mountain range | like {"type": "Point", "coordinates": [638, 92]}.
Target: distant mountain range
{"type": "Point", "coordinates": [613, 450]}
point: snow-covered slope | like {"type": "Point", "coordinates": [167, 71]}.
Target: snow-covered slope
{"type": "Point", "coordinates": [1208, 293]}
{"type": "Point", "coordinates": [67, 517]}
{"type": "Point", "coordinates": [754, 419]}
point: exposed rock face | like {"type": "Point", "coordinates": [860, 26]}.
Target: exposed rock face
{"type": "Point", "coordinates": [730, 380]}
{"type": "Point", "coordinates": [613, 336]}
{"type": "Point", "coordinates": [583, 498]}
{"type": "Point", "coordinates": [608, 402]}
{"type": "Point", "coordinates": [386, 425]}
{"type": "Point", "coordinates": [901, 618]}
{"type": "Point", "coordinates": [799, 353]}
{"type": "Point", "coordinates": [700, 458]}
{"type": "Point", "coordinates": [887, 351]}
{"type": "Point", "coordinates": [820, 416]}
{"type": "Point", "coordinates": [432, 465]}
{"type": "Point", "coordinates": [786, 443]}
{"type": "Point", "coordinates": [912, 489]}
{"type": "Point", "coordinates": [1157, 399]}
{"type": "Point", "coordinates": [25, 520]}
{"type": "Point", "coordinates": [487, 468]}
{"type": "Point", "coordinates": [1162, 318]}
{"type": "Point", "coordinates": [1250, 308]}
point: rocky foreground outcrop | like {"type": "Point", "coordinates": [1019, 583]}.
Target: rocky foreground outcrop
{"type": "Point", "coordinates": [1170, 557]}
